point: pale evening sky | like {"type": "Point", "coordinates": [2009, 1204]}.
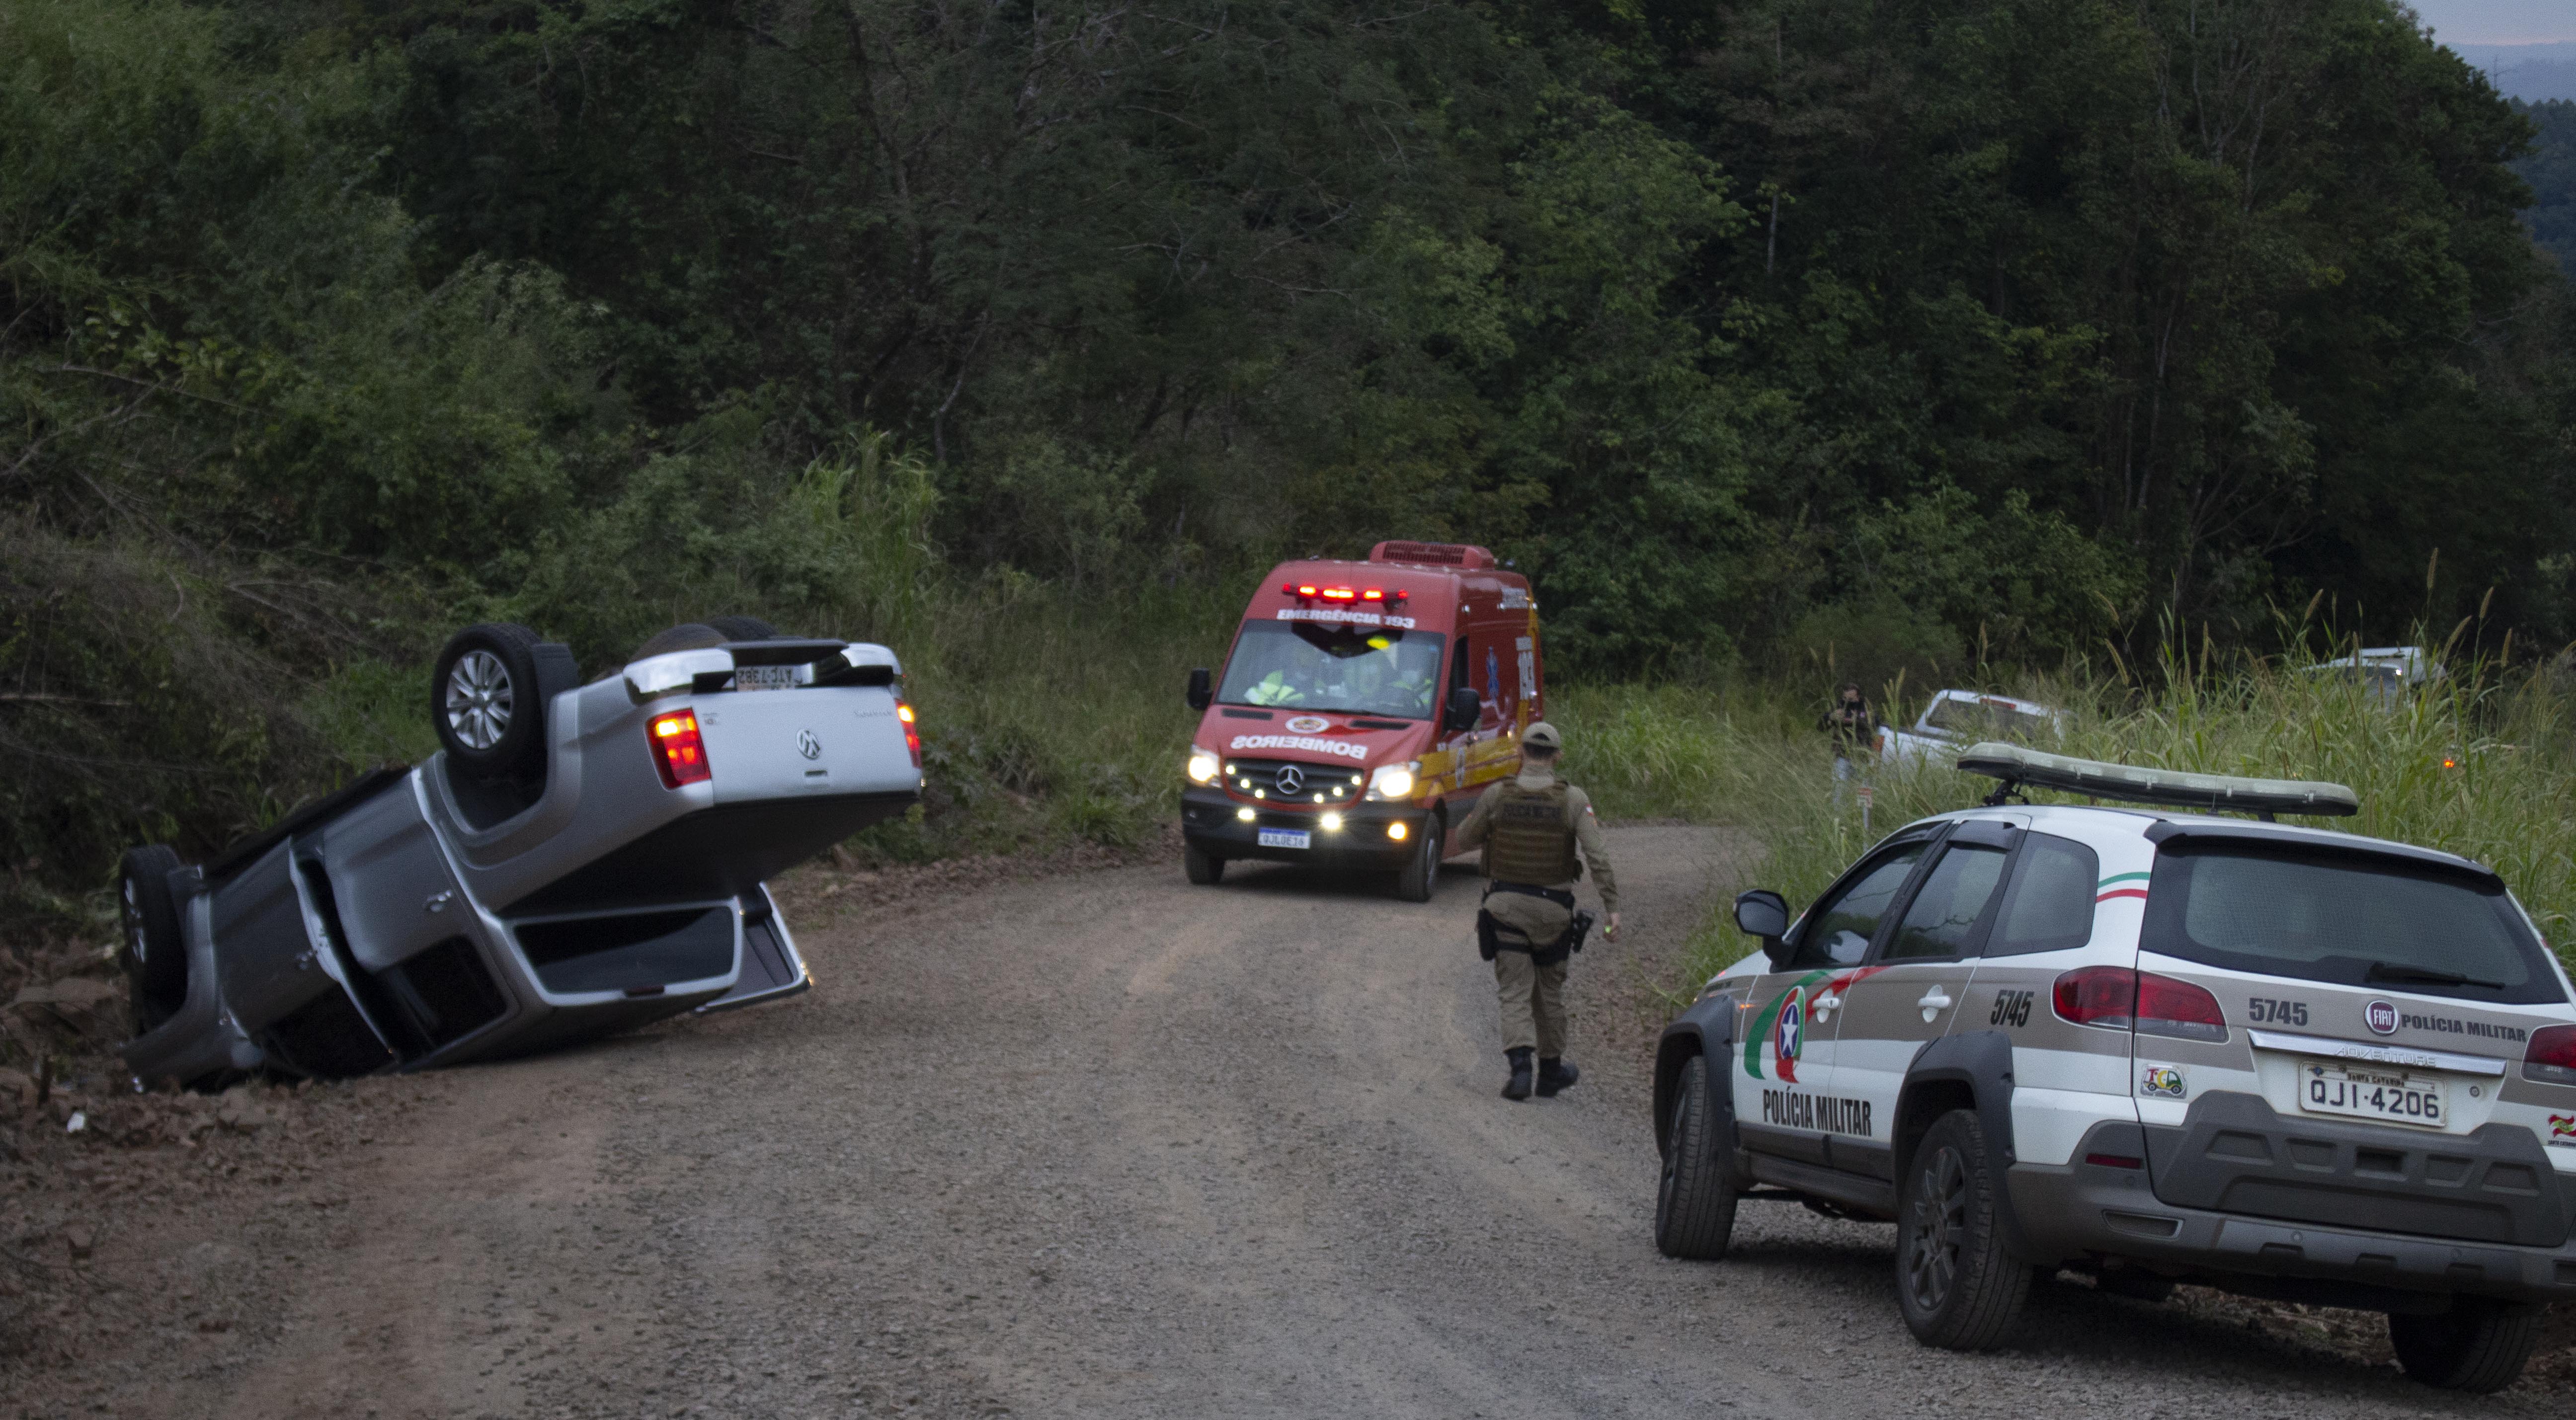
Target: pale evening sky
{"type": "Point", "coordinates": [2499, 21]}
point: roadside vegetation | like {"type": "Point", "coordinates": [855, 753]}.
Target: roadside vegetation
{"type": "Point", "coordinates": [2481, 763]}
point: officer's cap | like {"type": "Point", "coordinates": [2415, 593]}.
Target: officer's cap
{"type": "Point", "coordinates": [1542, 735]}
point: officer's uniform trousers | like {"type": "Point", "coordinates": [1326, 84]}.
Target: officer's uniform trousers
{"type": "Point", "coordinates": [1532, 996]}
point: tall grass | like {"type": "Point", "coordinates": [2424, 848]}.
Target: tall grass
{"type": "Point", "coordinates": [2479, 764]}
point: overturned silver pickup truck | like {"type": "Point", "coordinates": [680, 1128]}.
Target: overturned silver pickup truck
{"type": "Point", "coordinates": [576, 860]}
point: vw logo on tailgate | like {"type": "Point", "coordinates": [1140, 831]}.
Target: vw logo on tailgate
{"type": "Point", "coordinates": [1289, 780]}
{"type": "Point", "coordinates": [807, 745]}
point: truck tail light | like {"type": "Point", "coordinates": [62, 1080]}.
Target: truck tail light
{"type": "Point", "coordinates": [678, 752]}
{"type": "Point", "coordinates": [2551, 1056]}
{"type": "Point", "coordinates": [911, 731]}
{"type": "Point", "coordinates": [2119, 998]}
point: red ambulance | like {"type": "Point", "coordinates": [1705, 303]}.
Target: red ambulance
{"type": "Point", "coordinates": [1363, 709]}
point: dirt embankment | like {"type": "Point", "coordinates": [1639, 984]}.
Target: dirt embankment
{"type": "Point", "coordinates": [1086, 1142]}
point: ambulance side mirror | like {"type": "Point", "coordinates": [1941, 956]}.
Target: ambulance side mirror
{"type": "Point", "coordinates": [1200, 695]}
{"type": "Point", "coordinates": [1765, 914]}
{"type": "Point", "coordinates": [1465, 709]}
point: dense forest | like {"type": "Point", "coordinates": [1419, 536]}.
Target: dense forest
{"type": "Point", "coordinates": [2014, 328]}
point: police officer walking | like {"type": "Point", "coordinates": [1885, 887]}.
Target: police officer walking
{"type": "Point", "coordinates": [1530, 828]}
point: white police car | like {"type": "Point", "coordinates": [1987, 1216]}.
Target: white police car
{"type": "Point", "coordinates": [2151, 1046]}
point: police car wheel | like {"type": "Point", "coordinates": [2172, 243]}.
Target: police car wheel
{"type": "Point", "coordinates": [1695, 1202]}
{"type": "Point", "coordinates": [1421, 877]}
{"type": "Point", "coordinates": [2480, 1345]}
{"type": "Point", "coordinates": [1204, 868]}
{"type": "Point", "coordinates": [1956, 1283]}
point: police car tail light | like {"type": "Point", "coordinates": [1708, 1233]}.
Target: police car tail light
{"type": "Point", "coordinates": [678, 751]}
{"type": "Point", "coordinates": [2177, 1008]}
{"type": "Point", "coordinates": [2104, 996]}
{"type": "Point", "coordinates": [911, 731]}
{"type": "Point", "coordinates": [2551, 1056]}
{"type": "Point", "coordinates": [2118, 998]}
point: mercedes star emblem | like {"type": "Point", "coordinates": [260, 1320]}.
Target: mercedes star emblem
{"type": "Point", "coordinates": [1290, 779]}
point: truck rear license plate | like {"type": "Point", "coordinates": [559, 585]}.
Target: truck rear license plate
{"type": "Point", "coordinates": [764, 677]}
{"type": "Point", "coordinates": [2358, 1092]}
{"type": "Point", "coordinates": [1286, 838]}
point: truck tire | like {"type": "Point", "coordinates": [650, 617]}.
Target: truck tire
{"type": "Point", "coordinates": [155, 951]}
{"type": "Point", "coordinates": [743, 628]}
{"type": "Point", "coordinates": [1695, 1202]}
{"type": "Point", "coordinates": [2480, 1345]}
{"type": "Point", "coordinates": [485, 699]}
{"type": "Point", "coordinates": [1421, 876]}
{"type": "Point", "coordinates": [1956, 1283]}
{"type": "Point", "coordinates": [1205, 868]}
{"type": "Point", "coordinates": [687, 636]}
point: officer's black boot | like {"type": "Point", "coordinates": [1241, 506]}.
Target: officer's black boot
{"type": "Point", "coordinates": [1518, 1087]}
{"type": "Point", "coordinates": [1554, 1075]}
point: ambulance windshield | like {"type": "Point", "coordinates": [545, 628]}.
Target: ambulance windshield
{"type": "Point", "coordinates": [1360, 670]}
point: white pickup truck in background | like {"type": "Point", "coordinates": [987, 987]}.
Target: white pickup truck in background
{"type": "Point", "coordinates": [1956, 719]}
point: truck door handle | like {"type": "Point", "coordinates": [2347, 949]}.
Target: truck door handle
{"type": "Point", "coordinates": [1934, 1002]}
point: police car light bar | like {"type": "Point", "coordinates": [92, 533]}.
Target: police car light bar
{"type": "Point", "coordinates": [2020, 768]}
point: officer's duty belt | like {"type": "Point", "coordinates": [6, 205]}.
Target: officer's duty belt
{"type": "Point", "coordinates": [1560, 896]}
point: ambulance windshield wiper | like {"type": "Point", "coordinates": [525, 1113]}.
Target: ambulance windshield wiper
{"type": "Point", "coordinates": [2394, 971]}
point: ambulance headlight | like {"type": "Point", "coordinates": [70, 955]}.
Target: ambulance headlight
{"type": "Point", "coordinates": [1203, 767]}
{"type": "Point", "coordinates": [1393, 781]}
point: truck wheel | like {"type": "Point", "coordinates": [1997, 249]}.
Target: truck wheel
{"type": "Point", "coordinates": [1422, 875]}
{"type": "Point", "coordinates": [687, 636]}
{"type": "Point", "coordinates": [156, 952]}
{"type": "Point", "coordinates": [485, 700]}
{"type": "Point", "coordinates": [1956, 1283]}
{"type": "Point", "coordinates": [1695, 1203]}
{"type": "Point", "coordinates": [1204, 868]}
{"type": "Point", "coordinates": [2478, 1346]}
{"type": "Point", "coordinates": [743, 628]}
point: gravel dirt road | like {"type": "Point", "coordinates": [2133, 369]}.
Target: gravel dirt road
{"type": "Point", "coordinates": [1100, 1144]}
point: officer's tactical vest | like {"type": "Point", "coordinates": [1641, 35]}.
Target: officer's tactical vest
{"type": "Point", "coordinates": [1530, 841]}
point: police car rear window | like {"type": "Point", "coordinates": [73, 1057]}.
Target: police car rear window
{"type": "Point", "coordinates": [2049, 906]}
{"type": "Point", "coordinates": [2345, 918]}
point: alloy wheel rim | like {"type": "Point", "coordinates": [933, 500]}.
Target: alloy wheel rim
{"type": "Point", "coordinates": [480, 699]}
{"type": "Point", "coordinates": [1940, 1219]}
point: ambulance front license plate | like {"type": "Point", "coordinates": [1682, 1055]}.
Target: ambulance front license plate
{"type": "Point", "coordinates": [1286, 838]}
{"type": "Point", "coordinates": [2358, 1092]}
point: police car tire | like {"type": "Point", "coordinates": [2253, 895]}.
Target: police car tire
{"type": "Point", "coordinates": [1421, 876]}
{"type": "Point", "coordinates": [1205, 868]}
{"type": "Point", "coordinates": [2479, 1346]}
{"type": "Point", "coordinates": [1695, 1200]}
{"type": "Point", "coordinates": [1959, 1287]}
{"type": "Point", "coordinates": [153, 954]}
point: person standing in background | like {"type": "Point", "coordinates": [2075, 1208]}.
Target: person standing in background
{"type": "Point", "coordinates": [1854, 731]}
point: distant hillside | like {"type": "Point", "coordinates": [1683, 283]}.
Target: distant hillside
{"type": "Point", "coordinates": [2533, 73]}
{"type": "Point", "coordinates": [2551, 171]}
